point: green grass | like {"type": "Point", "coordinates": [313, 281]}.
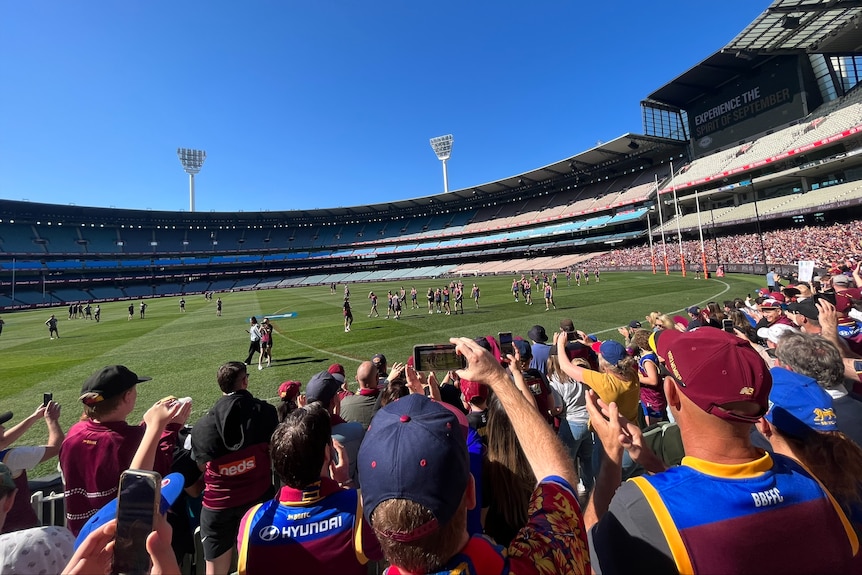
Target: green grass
{"type": "Point", "coordinates": [182, 351]}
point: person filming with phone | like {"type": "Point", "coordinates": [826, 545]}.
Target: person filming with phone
{"type": "Point", "coordinates": [21, 459]}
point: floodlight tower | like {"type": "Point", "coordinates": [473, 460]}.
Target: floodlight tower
{"type": "Point", "coordinates": [442, 146]}
{"type": "Point", "coordinates": [192, 161]}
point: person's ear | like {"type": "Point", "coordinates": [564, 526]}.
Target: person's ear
{"type": "Point", "coordinates": [470, 495]}
{"type": "Point", "coordinates": [671, 392]}
{"type": "Point", "coordinates": [764, 427]}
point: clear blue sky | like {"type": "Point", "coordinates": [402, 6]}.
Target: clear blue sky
{"type": "Point", "coordinates": [324, 103]}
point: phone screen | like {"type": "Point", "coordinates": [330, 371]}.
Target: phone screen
{"type": "Point", "coordinates": [46, 399]}
{"type": "Point", "coordinates": [437, 357]}
{"type": "Point", "coordinates": [137, 504]}
{"type": "Point", "coordinates": [506, 346]}
{"type": "Point", "coordinates": [727, 325]}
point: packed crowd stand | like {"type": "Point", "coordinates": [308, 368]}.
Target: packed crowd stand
{"type": "Point", "coordinates": [825, 245]}
{"type": "Point", "coordinates": [723, 440]}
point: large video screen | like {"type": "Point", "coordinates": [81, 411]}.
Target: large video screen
{"type": "Point", "coordinates": [771, 96]}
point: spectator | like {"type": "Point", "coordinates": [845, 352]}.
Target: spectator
{"type": "Point", "coordinates": [476, 396]}
{"type": "Point", "coordinates": [323, 388]}
{"type": "Point", "coordinates": [379, 361]}
{"type": "Point", "coordinates": [34, 550]}
{"type": "Point", "coordinates": [575, 433]}
{"type": "Point", "coordinates": [802, 424]}
{"type": "Point", "coordinates": [653, 401]}
{"type": "Point", "coordinates": [288, 391]}
{"type": "Point", "coordinates": [231, 444]}
{"type": "Point", "coordinates": [616, 380]}
{"type": "Point", "coordinates": [508, 480]}
{"type": "Point", "coordinates": [361, 405]}
{"type": "Point", "coordinates": [102, 445]}
{"type": "Point", "coordinates": [535, 380]}
{"type": "Point", "coordinates": [312, 526]}
{"type": "Point", "coordinates": [540, 348]}
{"type": "Point", "coordinates": [419, 513]}
{"type": "Point", "coordinates": [716, 387]}
{"type": "Point", "coordinates": [817, 358]}
{"type": "Point", "coordinates": [21, 459]}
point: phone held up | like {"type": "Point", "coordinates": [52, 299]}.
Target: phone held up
{"type": "Point", "coordinates": [505, 339]}
{"type": "Point", "coordinates": [437, 357]}
{"type": "Point", "coordinates": [137, 506]}
{"type": "Point", "coordinates": [47, 398]}
{"type": "Point", "coordinates": [727, 325]}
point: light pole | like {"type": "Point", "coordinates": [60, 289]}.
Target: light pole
{"type": "Point", "coordinates": [192, 161]}
{"type": "Point", "coordinates": [442, 146]}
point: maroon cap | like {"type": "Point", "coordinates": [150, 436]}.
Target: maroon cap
{"type": "Point", "coordinates": [336, 370]}
{"type": "Point", "coordinates": [289, 390]}
{"type": "Point", "coordinates": [472, 389]}
{"type": "Point", "coordinates": [714, 368]}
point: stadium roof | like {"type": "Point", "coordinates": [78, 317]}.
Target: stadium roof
{"type": "Point", "coordinates": [792, 26]}
{"type": "Point", "coordinates": [785, 27]}
{"type": "Point", "coordinates": [627, 152]}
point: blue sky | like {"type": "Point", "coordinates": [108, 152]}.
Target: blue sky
{"type": "Point", "coordinates": [324, 103]}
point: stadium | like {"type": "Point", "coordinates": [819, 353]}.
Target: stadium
{"type": "Point", "coordinates": [746, 162]}
{"type": "Point", "coordinates": [762, 135]}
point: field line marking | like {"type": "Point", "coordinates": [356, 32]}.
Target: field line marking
{"type": "Point", "coordinates": [700, 303]}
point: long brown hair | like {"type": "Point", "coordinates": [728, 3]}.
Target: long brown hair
{"type": "Point", "coordinates": [509, 475]}
{"type": "Point", "coordinates": [835, 460]}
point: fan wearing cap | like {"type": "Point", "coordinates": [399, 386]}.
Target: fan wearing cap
{"type": "Point", "coordinates": [417, 487]}
{"type": "Point", "coordinates": [772, 313]}
{"type": "Point", "coordinates": [818, 358]}
{"type": "Point", "coordinates": [288, 391]}
{"type": "Point", "coordinates": [540, 348]}
{"type": "Point", "coordinates": [323, 387]}
{"type": "Point", "coordinates": [34, 550]}
{"type": "Point", "coordinates": [616, 380]}
{"type": "Point", "coordinates": [101, 446]}
{"type": "Point", "coordinates": [313, 525]}
{"type": "Point", "coordinates": [802, 424]}
{"type": "Point", "coordinates": [699, 517]}
{"type": "Point", "coordinates": [230, 443]}
{"type": "Point", "coordinates": [22, 458]}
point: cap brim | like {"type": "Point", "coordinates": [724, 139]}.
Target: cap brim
{"type": "Point", "coordinates": [172, 486]}
{"type": "Point", "coordinates": [5, 417]}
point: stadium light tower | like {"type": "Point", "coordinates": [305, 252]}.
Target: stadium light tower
{"type": "Point", "coordinates": [192, 161]}
{"type": "Point", "coordinates": [442, 146]}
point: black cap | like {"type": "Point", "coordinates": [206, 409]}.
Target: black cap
{"type": "Point", "coordinates": [537, 333]}
{"type": "Point", "coordinates": [108, 382]}
{"type": "Point", "coordinates": [5, 417]}
{"type": "Point", "coordinates": [805, 307]}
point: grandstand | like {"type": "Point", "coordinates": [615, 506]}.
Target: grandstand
{"type": "Point", "coordinates": [763, 134]}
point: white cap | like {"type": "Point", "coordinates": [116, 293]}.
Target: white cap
{"type": "Point", "coordinates": [773, 332]}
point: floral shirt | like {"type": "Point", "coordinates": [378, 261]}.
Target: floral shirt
{"type": "Point", "coordinates": [552, 542]}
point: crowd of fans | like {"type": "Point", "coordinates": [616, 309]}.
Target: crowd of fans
{"type": "Point", "coordinates": [824, 245]}
{"type": "Point", "coordinates": [559, 454]}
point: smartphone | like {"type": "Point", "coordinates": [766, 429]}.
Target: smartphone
{"type": "Point", "coordinates": [437, 357]}
{"type": "Point", "coordinates": [505, 339]}
{"type": "Point", "coordinates": [47, 398]}
{"type": "Point", "coordinates": [137, 505]}
{"type": "Point", "coordinates": [727, 325]}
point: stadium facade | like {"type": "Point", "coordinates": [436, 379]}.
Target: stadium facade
{"type": "Point", "coordinates": [765, 133]}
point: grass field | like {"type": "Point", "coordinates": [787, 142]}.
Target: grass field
{"type": "Point", "coordinates": [182, 351]}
